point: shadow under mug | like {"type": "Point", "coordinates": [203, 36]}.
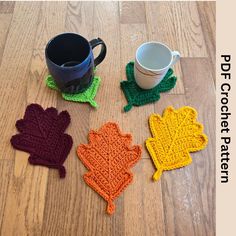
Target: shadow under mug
{"type": "Point", "coordinates": [71, 62]}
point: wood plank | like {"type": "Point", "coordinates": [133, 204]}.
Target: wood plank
{"type": "Point", "coordinates": [143, 203]}
{"type": "Point", "coordinates": [200, 93]}
{"type": "Point", "coordinates": [67, 202]}
{"type": "Point", "coordinates": [207, 14]}
{"type": "Point", "coordinates": [70, 192]}
{"type": "Point", "coordinates": [106, 26]}
{"type": "Point", "coordinates": [178, 185]}
{"type": "Point", "coordinates": [176, 24]}
{"type": "Point", "coordinates": [5, 20]}
{"type": "Point", "coordinates": [179, 87]}
{"type": "Point", "coordinates": [18, 50]}
{"type": "Point", "coordinates": [13, 193]}
{"type": "Point", "coordinates": [6, 169]}
{"type": "Point", "coordinates": [24, 208]}
{"type": "Point", "coordinates": [170, 100]}
{"type": "Point", "coordinates": [77, 19]}
{"type": "Point", "coordinates": [180, 198]}
{"type": "Point", "coordinates": [27, 190]}
{"type": "Point", "coordinates": [7, 6]}
{"type": "Point", "coordinates": [188, 199]}
{"type": "Point", "coordinates": [33, 200]}
{"type": "Point", "coordinates": [131, 37]}
{"type": "Point", "coordinates": [52, 22]}
{"type": "Point", "coordinates": [136, 123]}
{"type": "Point", "coordinates": [37, 91]}
{"type": "Point", "coordinates": [132, 12]}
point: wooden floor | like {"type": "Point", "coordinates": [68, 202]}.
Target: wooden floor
{"type": "Point", "coordinates": [33, 200]}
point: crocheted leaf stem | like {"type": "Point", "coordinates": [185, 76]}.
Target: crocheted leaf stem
{"type": "Point", "coordinates": [87, 96]}
{"type": "Point", "coordinates": [42, 135]}
{"type": "Point", "coordinates": [137, 96]}
{"type": "Point", "coordinates": [109, 157]}
{"type": "Point", "coordinates": [174, 135]}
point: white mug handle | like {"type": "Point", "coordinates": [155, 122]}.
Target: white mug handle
{"type": "Point", "coordinates": [176, 57]}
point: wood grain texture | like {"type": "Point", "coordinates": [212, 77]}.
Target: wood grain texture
{"type": "Point", "coordinates": [190, 191]}
{"type": "Point", "coordinates": [51, 23]}
{"type": "Point", "coordinates": [77, 19]}
{"type": "Point", "coordinates": [205, 164]}
{"type": "Point", "coordinates": [178, 25]}
{"type": "Point", "coordinates": [207, 14]}
{"type": "Point", "coordinates": [23, 213]}
{"type": "Point", "coordinates": [136, 203]}
{"type": "Point", "coordinates": [131, 37]}
{"type": "Point", "coordinates": [28, 200]}
{"type": "Point", "coordinates": [143, 203]}
{"type": "Point", "coordinates": [14, 66]}
{"type": "Point", "coordinates": [179, 88]}
{"type": "Point", "coordinates": [6, 7]}
{"type": "Point", "coordinates": [6, 168]}
{"type": "Point", "coordinates": [5, 20]}
{"type": "Point", "coordinates": [132, 12]}
{"type": "Point", "coordinates": [33, 200]}
{"type": "Point", "coordinates": [106, 26]}
{"type": "Point", "coordinates": [68, 209]}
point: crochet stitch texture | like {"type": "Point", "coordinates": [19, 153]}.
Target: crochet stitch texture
{"type": "Point", "coordinates": [42, 135]}
{"type": "Point", "coordinates": [137, 96]}
{"type": "Point", "coordinates": [109, 157]}
{"type": "Point", "coordinates": [174, 135]}
{"type": "Point", "coordinates": [87, 96]}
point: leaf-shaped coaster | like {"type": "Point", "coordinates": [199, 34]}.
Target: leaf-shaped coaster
{"type": "Point", "coordinates": [42, 135]}
{"type": "Point", "coordinates": [87, 96]}
{"type": "Point", "coordinates": [137, 96]}
{"type": "Point", "coordinates": [109, 157]}
{"type": "Point", "coordinates": [174, 135]}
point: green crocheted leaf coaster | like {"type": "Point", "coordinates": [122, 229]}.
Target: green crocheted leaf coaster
{"type": "Point", "coordinates": [87, 96]}
{"type": "Point", "coordinates": [137, 96]}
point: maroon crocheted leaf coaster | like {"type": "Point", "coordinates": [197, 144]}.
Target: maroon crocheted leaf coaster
{"type": "Point", "coordinates": [42, 135]}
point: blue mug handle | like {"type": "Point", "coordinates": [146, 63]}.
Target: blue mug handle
{"type": "Point", "coordinates": [94, 43]}
{"type": "Point", "coordinates": [75, 85]}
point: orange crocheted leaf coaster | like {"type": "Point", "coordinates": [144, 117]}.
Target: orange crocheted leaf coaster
{"type": "Point", "coordinates": [109, 157]}
{"type": "Point", "coordinates": [174, 135]}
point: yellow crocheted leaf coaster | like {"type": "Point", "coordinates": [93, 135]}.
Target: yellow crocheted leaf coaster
{"type": "Point", "coordinates": [174, 135]}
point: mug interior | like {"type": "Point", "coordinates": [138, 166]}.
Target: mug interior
{"type": "Point", "coordinates": [154, 56]}
{"type": "Point", "coordinates": [67, 49]}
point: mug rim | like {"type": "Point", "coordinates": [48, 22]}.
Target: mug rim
{"type": "Point", "coordinates": [155, 42]}
{"type": "Point", "coordinates": [58, 35]}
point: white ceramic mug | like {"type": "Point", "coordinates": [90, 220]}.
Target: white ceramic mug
{"type": "Point", "coordinates": [152, 61]}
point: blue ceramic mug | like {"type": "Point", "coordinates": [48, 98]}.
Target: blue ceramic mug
{"type": "Point", "coordinates": [71, 62]}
